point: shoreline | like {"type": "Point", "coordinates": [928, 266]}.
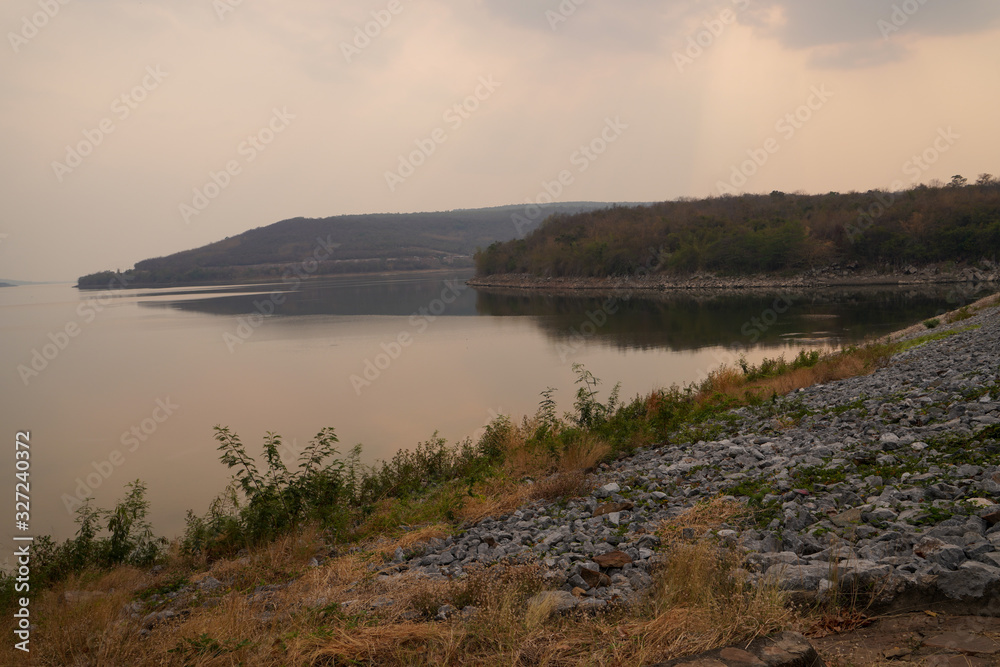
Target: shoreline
{"type": "Point", "coordinates": [818, 279]}
{"type": "Point", "coordinates": [899, 452]}
{"type": "Point", "coordinates": [273, 280]}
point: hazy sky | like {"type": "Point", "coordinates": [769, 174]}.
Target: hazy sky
{"type": "Point", "coordinates": [115, 113]}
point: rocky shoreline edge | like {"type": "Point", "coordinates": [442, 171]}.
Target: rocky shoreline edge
{"type": "Point", "coordinates": [834, 275]}
{"type": "Point", "coordinates": [882, 487]}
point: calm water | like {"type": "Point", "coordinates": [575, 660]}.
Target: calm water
{"type": "Point", "coordinates": [129, 385]}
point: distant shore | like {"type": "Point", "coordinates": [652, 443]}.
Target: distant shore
{"type": "Point", "coordinates": [273, 280]}
{"type": "Point", "coordinates": [834, 276]}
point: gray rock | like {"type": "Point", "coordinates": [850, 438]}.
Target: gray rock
{"type": "Point", "coordinates": [848, 518]}
{"type": "Point", "coordinates": [934, 550]}
{"type": "Point", "coordinates": [798, 577]}
{"type": "Point", "coordinates": [209, 584]}
{"type": "Point", "coordinates": [971, 580]}
{"type": "Point", "coordinates": [863, 574]}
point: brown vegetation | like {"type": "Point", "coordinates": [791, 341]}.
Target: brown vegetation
{"type": "Point", "coordinates": [338, 614]}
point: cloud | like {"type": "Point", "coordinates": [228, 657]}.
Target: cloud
{"type": "Point", "coordinates": [864, 33]}
{"type": "Point", "coordinates": [594, 26]}
{"type": "Point", "coordinates": [355, 117]}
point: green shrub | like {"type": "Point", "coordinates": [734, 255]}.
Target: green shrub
{"type": "Point", "coordinates": [130, 541]}
{"type": "Point", "coordinates": [336, 493]}
{"type": "Point", "coordinates": [277, 500]}
{"type": "Point", "coordinates": [775, 367]}
{"type": "Point", "coordinates": [960, 315]}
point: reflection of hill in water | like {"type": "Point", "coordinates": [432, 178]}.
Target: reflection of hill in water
{"type": "Point", "coordinates": [675, 320]}
{"type": "Point", "coordinates": [361, 296]}
{"type": "Point", "coordinates": [684, 321]}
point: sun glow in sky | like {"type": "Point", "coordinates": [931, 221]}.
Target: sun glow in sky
{"type": "Point", "coordinates": [135, 129]}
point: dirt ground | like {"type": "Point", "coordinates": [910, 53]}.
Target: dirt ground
{"type": "Point", "coordinates": [919, 638]}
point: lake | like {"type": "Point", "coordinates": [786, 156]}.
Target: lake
{"type": "Point", "coordinates": [128, 384]}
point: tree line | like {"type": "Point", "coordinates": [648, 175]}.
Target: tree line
{"type": "Point", "coordinates": [763, 233]}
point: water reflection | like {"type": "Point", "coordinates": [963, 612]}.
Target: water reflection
{"type": "Point", "coordinates": [487, 353]}
{"type": "Point", "coordinates": [638, 320]}
{"type": "Point", "coordinates": [392, 295]}
{"type": "Point", "coordinates": [693, 320]}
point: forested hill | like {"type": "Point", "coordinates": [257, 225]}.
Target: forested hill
{"type": "Point", "coordinates": [738, 235]}
{"type": "Point", "coordinates": [354, 243]}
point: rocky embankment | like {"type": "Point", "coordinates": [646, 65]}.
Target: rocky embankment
{"type": "Point", "coordinates": [835, 275]}
{"type": "Point", "coordinates": [882, 487]}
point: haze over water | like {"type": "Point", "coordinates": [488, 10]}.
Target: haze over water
{"type": "Point", "coordinates": [136, 392]}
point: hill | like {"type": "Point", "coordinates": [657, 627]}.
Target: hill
{"type": "Point", "coordinates": [750, 234]}
{"type": "Point", "coordinates": [346, 244]}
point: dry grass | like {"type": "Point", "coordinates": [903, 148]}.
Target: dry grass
{"type": "Point", "coordinates": [87, 632]}
{"type": "Point", "coordinates": [559, 475]}
{"type": "Point", "coordinates": [703, 517]}
{"type": "Point", "coordinates": [521, 459]}
{"type": "Point", "coordinates": [731, 382]}
{"type": "Point", "coordinates": [703, 601]}
{"type": "Point", "coordinates": [583, 454]}
{"type": "Point", "coordinates": [701, 598]}
{"type": "Point", "coordinates": [499, 498]}
{"type": "Point", "coordinates": [277, 561]}
{"type": "Point", "coordinates": [380, 645]}
{"type": "Point", "coordinates": [387, 547]}
{"type": "Point", "coordinates": [495, 499]}
{"type": "Point", "coordinates": [337, 614]}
